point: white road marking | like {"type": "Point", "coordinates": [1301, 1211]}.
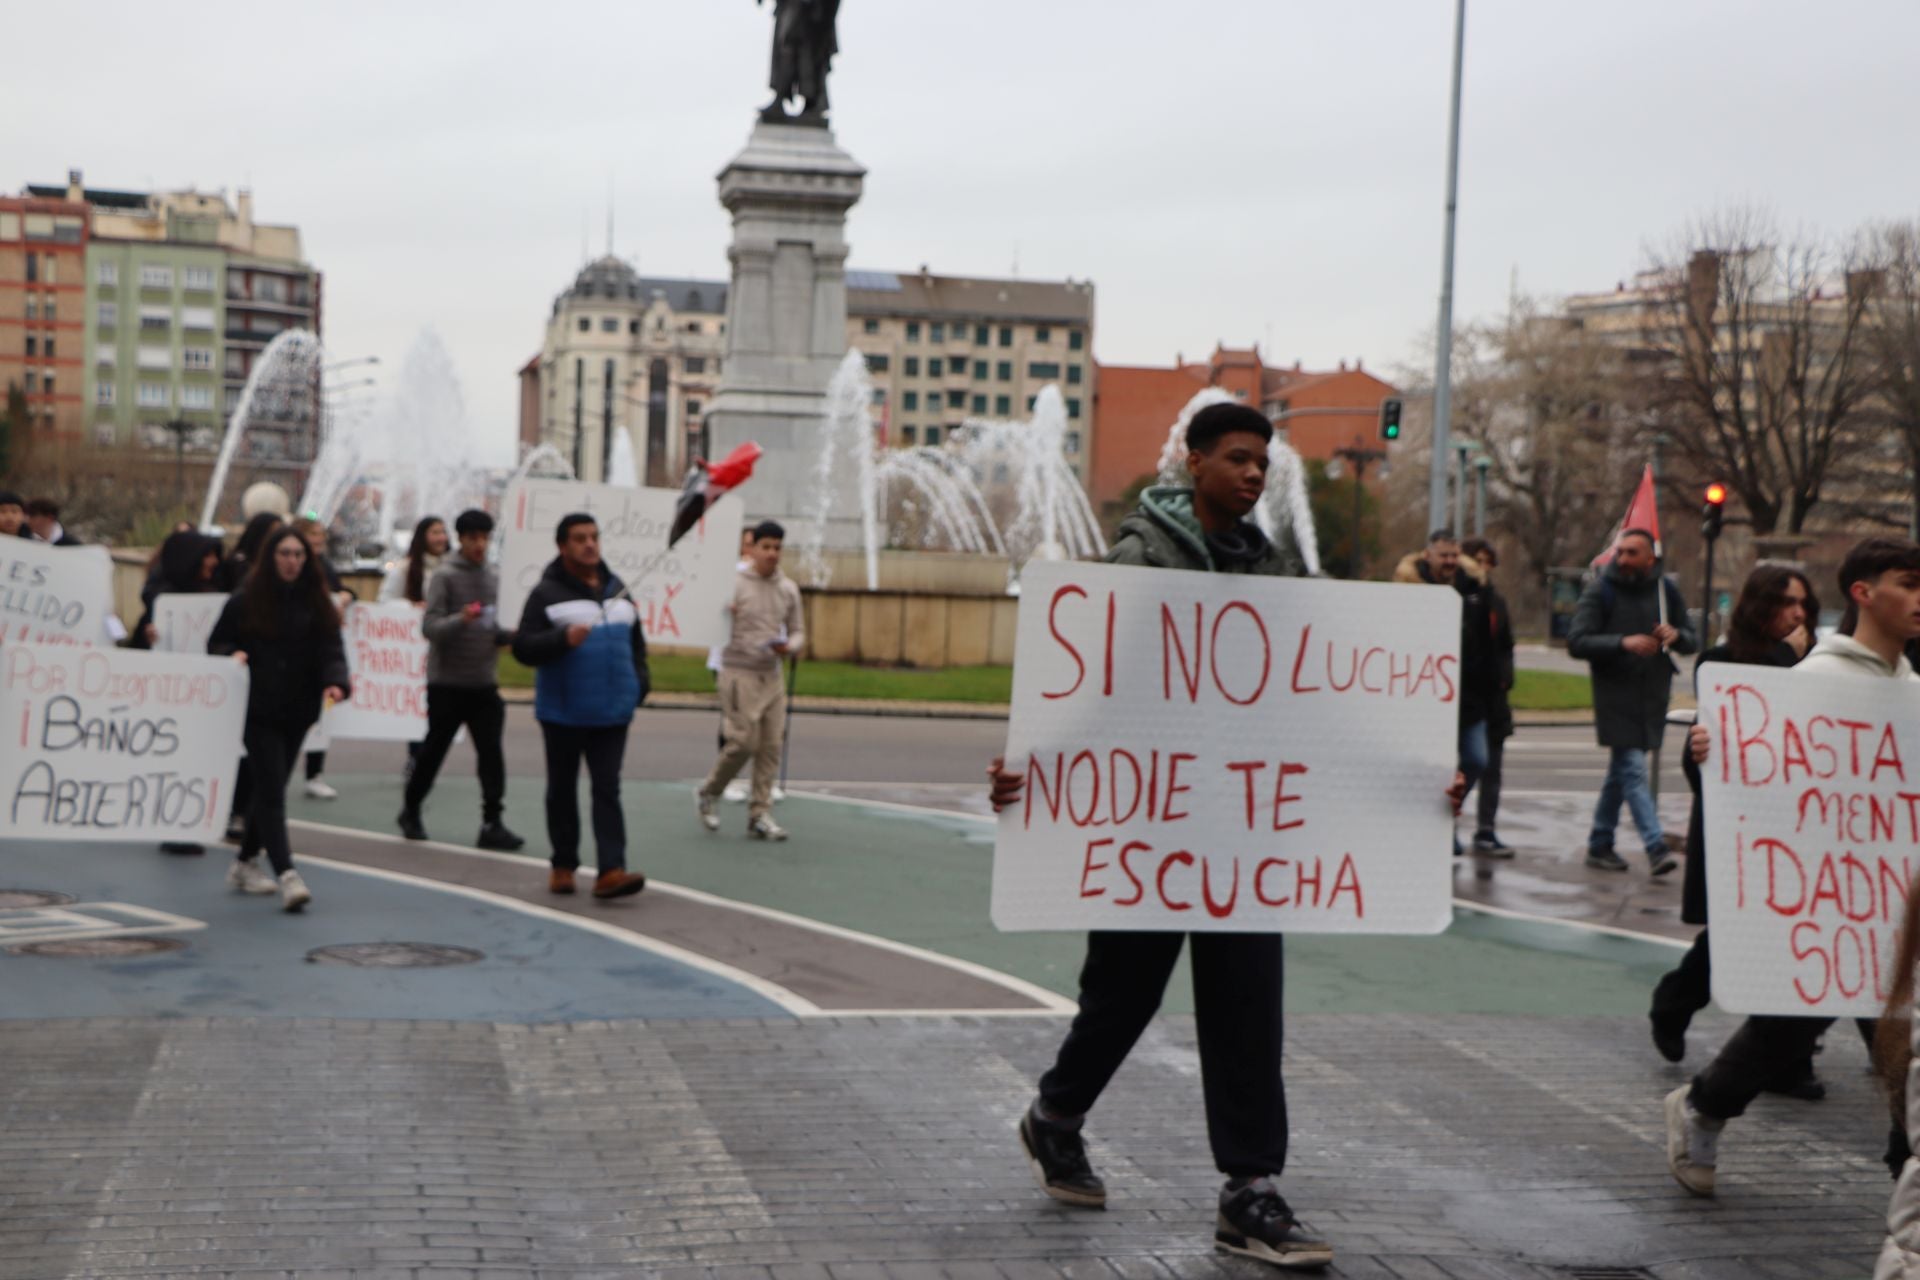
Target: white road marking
{"type": "Point", "coordinates": [71, 922]}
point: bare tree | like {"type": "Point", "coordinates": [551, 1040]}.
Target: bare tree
{"type": "Point", "coordinates": [1759, 367]}
{"type": "Point", "coordinates": [1892, 334]}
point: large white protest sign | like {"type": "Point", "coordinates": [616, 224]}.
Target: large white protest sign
{"type": "Point", "coordinates": [682, 593]}
{"type": "Point", "coordinates": [1229, 753]}
{"type": "Point", "coordinates": [117, 744]}
{"type": "Point", "coordinates": [1812, 803]}
{"type": "Point", "coordinates": [55, 595]}
{"type": "Point", "coordinates": [387, 657]}
{"type": "Point", "coordinates": [182, 621]}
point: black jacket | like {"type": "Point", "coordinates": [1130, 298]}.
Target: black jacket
{"type": "Point", "coordinates": [177, 573]}
{"type": "Point", "coordinates": [1480, 687]}
{"type": "Point", "coordinates": [1500, 630]}
{"type": "Point", "coordinates": [290, 667]}
{"type": "Point", "coordinates": [1693, 893]}
{"type": "Point", "coordinates": [1630, 691]}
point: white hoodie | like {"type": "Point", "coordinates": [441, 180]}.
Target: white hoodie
{"type": "Point", "coordinates": [1843, 655]}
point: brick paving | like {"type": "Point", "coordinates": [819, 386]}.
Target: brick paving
{"type": "Point", "coordinates": [1427, 1147]}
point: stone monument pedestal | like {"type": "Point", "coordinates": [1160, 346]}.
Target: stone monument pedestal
{"type": "Point", "coordinates": [788, 192]}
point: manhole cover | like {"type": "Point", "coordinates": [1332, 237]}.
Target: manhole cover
{"type": "Point", "coordinates": [33, 898]}
{"type": "Point", "coordinates": [394, 955]}
{"type": "Point", "coordinates": [98, 948]}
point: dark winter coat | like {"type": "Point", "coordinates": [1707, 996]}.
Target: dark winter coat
{"type": "Point", "coordinates": [1630, 692]}
{"type": "Point", "coordinates": [1693, 893]}
{"type": "Point", "coordinates": [1165, 534]}
{"type": "Point", "coordinates": [1480, 687]}
{"type": "Point", "coordinates": [1499, 705]}
{"type": "Point", "coordinates": [290, 667]}
{"type": "Point", "coordinates": [602, 681]}
{"type": "Point", "coordinates": [177, 573]}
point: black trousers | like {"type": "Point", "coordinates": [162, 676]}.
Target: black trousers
{"type": "Point", "coordinates": [1237, 985]}
{"type": "Point", "coordinates": [1489, 799]}
{"type": "Point", "coordinates": [1686, 990]}
{"type": "Point", "coordinates": [485, 716]}
{"type": "Point", "coordinates": [316, 764]}
{"type": "Point", "coordinates": [1766, 1048]}
{"type": "Point", "coordinates": [603, 749]}
{"type": "Point", "coordinates": [272, 749]}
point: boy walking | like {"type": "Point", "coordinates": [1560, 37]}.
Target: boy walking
{"type": "Point", "coordinates": [768, 624]}
{"type": "Point", "coordinates": [463, 636]}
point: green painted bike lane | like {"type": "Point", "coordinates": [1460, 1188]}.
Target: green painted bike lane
{"type": "Point", "coordinates": [922, 877]}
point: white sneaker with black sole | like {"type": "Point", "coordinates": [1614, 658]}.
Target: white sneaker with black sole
{"type": "Point", "coordinates": [766, 829]}
{"type": "Point", "coordinates": [320, 789]}
{"type": "Point", "coordinates": [245, 875]}
{"type": "Point", "coordinates": [709, 816]}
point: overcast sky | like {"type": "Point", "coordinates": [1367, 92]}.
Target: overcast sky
{"type": "Point", "coordinates": [1234, 170]}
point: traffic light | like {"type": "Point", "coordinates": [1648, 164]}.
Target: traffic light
{"type": "Point", "coordinates": [1716, 511]}
{"type": "Point", "coordinates": [1390, 419]}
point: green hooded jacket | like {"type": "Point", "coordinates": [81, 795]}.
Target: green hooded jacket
{"type": "Point", "coordinates": [1165, 534]}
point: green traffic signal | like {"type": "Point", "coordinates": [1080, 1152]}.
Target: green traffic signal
{"type": "Point", "coordinates": [1390, 419]}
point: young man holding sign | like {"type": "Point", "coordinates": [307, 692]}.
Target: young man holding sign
{"type": "Point", "coordinates": [581, 631]}
{"type": "Point", "coordinates": [1881, 580]}
{"type": "Point", "coordinates": [1236, 976]}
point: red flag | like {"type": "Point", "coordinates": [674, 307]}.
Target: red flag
{"type": "Point", "coordinates": [1642, 513]}
{"type": "Point", "coordinates": [706, 483]}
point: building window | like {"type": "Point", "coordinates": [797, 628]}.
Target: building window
{"type": "Point", "coordinates": [103, 393]}
{"type": "Point", "coordinates": [107, 273]}
{"type": "Point", "coordinates": [33, 306]}
{"type": "Point", "coordinates": [586, 324]}
{"type": "Point", "coordinates": [1073, 442]}
{"type": "Point", "coordinates": [912, 366]}
{"type": "Point", "coordinates": [153, 395]}
{"type": "Point", "coordinates": [937, 332]}
{"type": "Point", "coordinates": [108, 314]}
{"type": "Point", "coordinates": [156, 318]}
{"type": "Point", "coordinates": [1006, 336]}
{"type": "Point", "coordinates": [981, 335]}
{"type": "Point", "coordinates": [197, 318]}
{"type": "Point", "coordinates": [979, 404]}
{"type": "Point", "coordinates": [1073, 406]}
{"type": "Point", "coordinates": [152, 277]}
{"type": "Point", "coordinates": [877, 362]}
{"type": "Point", "coordinates": [693, 326]}
{"type": "Point", "coordinates": [199, 359]}
{"type": "Point", "coordinates": [980, 370]}
{"type": "Point", "coordinates": [1003, 371]}
{"type": "Point", "coordinates": [33, 345]}
{"type": "Point", "coordinates": [909, 401]}
{"type": "Point", "coordinates": [1002, 406]}
{"type": "Point", "coordinates": [1042, 334]}
{"type": "Point", "coordinates": [633, 327]}
{"type": "Point", "coordinates": [269, 289]}
{"type": "Point", "coordinates": [870, 326]}
{"type": "Point", "coordinates": [696, 364]}
{"type": "Point", "coordinates": [33, 268]}
{"type": "Point", "coordinates": [154, 358]}
{"type": "Point", "coordinates": [105, 357]}
{"type": "Point", "coordinates": [693, 408]}
{"type": "Point", "coordinates": [53, 268]}
{"type": "Point", "coordinates": [1043, 369]}
{"type": "Point", "coordinates": [46, 382]}
{"type": "Point", "coordinates": [956, 399]}
{"type": "Point", "coordinates": [49, 346]}
{"type": "Point", "coordinates": [103, 435]}
{"type": "Point", "coordinates": [933, 434]}
{"type": "Point", "coordinates": [236, 363]}
{"type": "Point", "coordinates": [1030, 403]}
{"type": "Point", "coordinates": [959, 332]}
{"type": "Point", "coordinates": [1076, 339]}
{"type": "Point", "coordinates": [1073, 375]}
{"type": "Point", "coordinates": [48, 312]}
{"type": "Point", "coordinates": [609, 324]}
{"type": "Point", "coordinates": [199, 279]}
{"type": "Point", "coordinates": [913, 331]}
{"type": "Point", "coordinates": [936, 367]}
{"type": "Point", "coordinates": [907, 435]}
{"type": "Point", "coordinates": [196, 397]}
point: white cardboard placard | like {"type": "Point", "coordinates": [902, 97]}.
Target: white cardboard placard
{"type": "Point", "coordinates": [1214, 752]}
{"type": "Point", "coordinates": [1811, 794]}
{"type": "Point", "coordinates": [387, 657]}
{"type": "Point", "coordinates": [681, 593]}
{"type": "Point", "coordinates": [118, 744]}
{"type": "Point", "coordinates": [55, 595]}
{"type": "Point", "coordinates": [184, 620]}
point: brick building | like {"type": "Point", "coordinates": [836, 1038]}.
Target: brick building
{"type": "Point", "coordinates": [43, 258]}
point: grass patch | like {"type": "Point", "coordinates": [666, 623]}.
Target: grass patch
{"type": "Point", "coordinates": [1551, 691]}
{"type": "Point", "coordinates": [687, 673]}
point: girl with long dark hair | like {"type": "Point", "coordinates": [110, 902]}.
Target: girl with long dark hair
{"type": "Point", "coordinates": [284, 626]}
{"type": "Point", "coordinates": [187, 563]}
{"type": "Point", "coordinates": [425, 551]}
{"type": "Point", "coordinates": [1776, 606]}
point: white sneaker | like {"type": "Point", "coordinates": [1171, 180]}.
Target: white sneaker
{"type": "Point", "coordinates": [709, 818]}
{"type": "Point", "coordinates": [766, 829]}
{"type": "Point", "coordinates": [778, 794]}
{"type": "Point", "coordinates": [246, 876]}
{"type": "Point", "coordinates": [293, 891]}
{"type": "Point", "coordinates": [317, 789]}
{"type": "Point", "coordinates": [736, 793]}
{"type": "Point", "coordinates": [1693, 1143]}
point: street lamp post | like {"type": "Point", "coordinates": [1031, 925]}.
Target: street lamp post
{"type": "Point", "coordinates": [1461, 448]}
{"type": "Point", "coordinates": [179, 428]}
{"type": "Point", "coordinates": [1443, 355]}
{"type": "Point", "coordinates": [1481, 465]}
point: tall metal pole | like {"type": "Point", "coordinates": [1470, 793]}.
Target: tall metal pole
{"type": "Point", "coordinates": [1459, 525]}
{"type": "Point", "coordinates": [1480, 466]}
{"type": "Point", "coordinates": [1443, 355]}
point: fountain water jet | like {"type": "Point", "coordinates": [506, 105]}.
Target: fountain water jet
{"type": "Point", "coordinates": [1283, 505]}
{"type": "Point", "coordinates": [285, 381]}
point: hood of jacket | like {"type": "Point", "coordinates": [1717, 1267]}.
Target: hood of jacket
{"type": "Point", "coordinates": [1165, 520]}
{"type": "Point", "coordinates": [180, 558]}
{"type": "Point", "coordinates": [1844, 653]}
{"type": "Point", "coordinates": [1413, 568]}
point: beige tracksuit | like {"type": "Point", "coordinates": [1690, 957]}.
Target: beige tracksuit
{"type": "Point", "coordinates": [753, 701]}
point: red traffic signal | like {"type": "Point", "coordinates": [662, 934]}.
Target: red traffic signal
{"type": "Point", "coordinates": [1716, 495]}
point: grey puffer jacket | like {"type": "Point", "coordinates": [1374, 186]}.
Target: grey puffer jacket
{"type": "Point", "coordinates": [1165, 534]}
{"type": "Point", "coordinates": [462, 653]}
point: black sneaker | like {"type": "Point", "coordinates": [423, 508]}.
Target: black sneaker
{"type": "Point", "coordinates": [1603, 858]}
{"type": "Point", "coordinates": [1489, 845]}
{"type": "Point", "coordinates": [494, 835]}
{"type": "Point", "coordinates": [236, 830]}
{"type": "Point", "coordinates": [1060, 1166]}
{"type": "Point", "coordinates": [1256, 1223]}
{"type": "Point", "coordinates": [1671, 1041]}
{"type": "Point", "coordinates": [1661, 860]}
{"type": "Point", "coordinates": [181, 850]}
{"type": "Point", "coordinates": [410, 825]}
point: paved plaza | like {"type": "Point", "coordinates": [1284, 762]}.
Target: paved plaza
{"type": "Point", "coordinates": [805, 1060]}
